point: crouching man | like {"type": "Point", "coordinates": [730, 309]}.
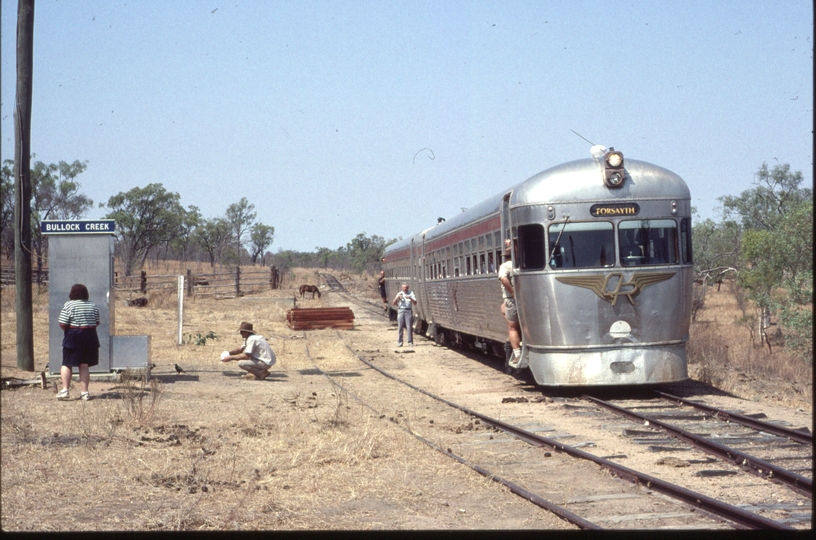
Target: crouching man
{"type": "Point", "coordinates": [254, 356]}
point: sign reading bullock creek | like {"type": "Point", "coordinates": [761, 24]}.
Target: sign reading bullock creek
{"type": "Point", "coordinates": [78, 226]}
{"type": "Point", "coordinates": [602, 210]}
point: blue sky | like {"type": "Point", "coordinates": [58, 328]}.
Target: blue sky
{"type": "Point", "coordinates": [335, 118]}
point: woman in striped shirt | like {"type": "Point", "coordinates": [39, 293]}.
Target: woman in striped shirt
{"type": "Point", "coordinates": [80, 344]}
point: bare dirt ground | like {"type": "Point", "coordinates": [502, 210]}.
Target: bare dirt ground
{"type": "Point", "coordinates": [206, 449]}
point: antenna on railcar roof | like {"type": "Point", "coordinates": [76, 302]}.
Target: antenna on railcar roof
{"type": "Point", "coordinates": [597, 150]}
{"type": "Point", "coordinates": [587, 140]}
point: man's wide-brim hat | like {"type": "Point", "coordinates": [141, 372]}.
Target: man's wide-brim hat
{"type": "Point", "coordinates": [246, 327]}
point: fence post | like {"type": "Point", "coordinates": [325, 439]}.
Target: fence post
{"type": "Point", "coordinates": [143, 282]}
{"type": "Point", "coordinates": [273, 277]}
{"type": "Point", "coordinates": [180, 288]}
{"type": "Point", "coordinates": [189, 282]}
{"type": "Point", "coordinates": [237, 281]}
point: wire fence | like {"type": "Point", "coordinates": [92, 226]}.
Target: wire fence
{"type": "Point", "coordinates": [227, 283]}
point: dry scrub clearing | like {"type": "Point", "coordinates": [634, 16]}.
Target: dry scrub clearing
{"type": "Point", "coordinates": [206, 449]}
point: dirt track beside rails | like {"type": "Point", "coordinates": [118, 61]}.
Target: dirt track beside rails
{"type": "Point", "coordinates": [207, 450]}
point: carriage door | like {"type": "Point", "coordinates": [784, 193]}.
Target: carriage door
{"type": "Point", "coordinates": [505, 220]}
{"type": "Point", "coordinates": [422, 282]}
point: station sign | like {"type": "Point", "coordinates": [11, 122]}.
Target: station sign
{"type": "Point", "coordinates": [78, 226]}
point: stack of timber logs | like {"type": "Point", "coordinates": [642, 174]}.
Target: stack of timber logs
{"type": "Point", "coordinates": [316, 318]}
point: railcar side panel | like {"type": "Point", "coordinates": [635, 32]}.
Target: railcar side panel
{"type": "Point", "coordinates": [470, 306]}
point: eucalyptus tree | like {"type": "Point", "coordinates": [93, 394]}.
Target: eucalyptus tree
{"type": "Point", "coordinates": [7, 210]}
{"type": "Point", "coordinates": [185, 240]}
{"type": "Point", "coordinates": [213, 236]}
{"type": "Point", "coordinates": [240, 216]}
{"type": "Point", "coordinates": [324, 255]}
{"type": "Point", "coordinates": [716, 250]}
{"type": "Point", "coordinates": [261, 237]}
{"type": "Point", "coordinates": [55, 195]}
{"type": "Point", "coordinates": [146, 218]}
{"type": "Point", "coordinates": [366, 252]}
{"type": "Point", "coordinates": [776, 249]}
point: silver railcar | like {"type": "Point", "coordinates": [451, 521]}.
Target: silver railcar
{"type": "Point", "coordinates": [603, 273]}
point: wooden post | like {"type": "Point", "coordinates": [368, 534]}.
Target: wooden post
{"type": "Point", "coordinates": [273, 277]}
{"type": "Point", "coordinates": [189, 282]}
{"type": "Point", "coordinates": [22, 185]}
{"type": "Point", "coordinates": [143, 282]}
{"type": "Point", "coordinates": [180, 289]}
{"type": "Point", "coordinates": [237, 281]}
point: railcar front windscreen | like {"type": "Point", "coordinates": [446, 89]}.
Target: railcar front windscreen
{"type": "Point", "coordinates": [648, 242]}
{"type": "Point", "coordinates": [582, 245]}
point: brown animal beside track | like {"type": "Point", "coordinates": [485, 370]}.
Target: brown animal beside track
{"type": "Point", "coordinates": [309, 289]}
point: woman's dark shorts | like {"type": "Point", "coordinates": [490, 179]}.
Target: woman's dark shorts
{"type": "Point", "coordinates": [75, 357]}
{"type": "Point", "coordinates": [80, 346]}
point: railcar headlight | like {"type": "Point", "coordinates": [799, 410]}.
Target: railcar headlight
{"type": "Point", "coordinates": [614, 174]}
{"type": "Point", "coordinates": [614, 179]}
{"type": "Point", "coordinates": [614, 159]}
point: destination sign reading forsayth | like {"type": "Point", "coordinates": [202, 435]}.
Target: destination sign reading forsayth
{"type": "Point", "coordinates": [95, 226]}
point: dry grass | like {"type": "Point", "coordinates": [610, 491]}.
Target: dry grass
{"type": "Point", "coordinates": [722, 352]}
{"type": "Point", "coordinates": [207, 451]}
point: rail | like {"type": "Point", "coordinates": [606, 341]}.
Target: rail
{"type": "Point", "coordinates": [747, 462]}
{"type": "Point", "coordinates": [692, 498]}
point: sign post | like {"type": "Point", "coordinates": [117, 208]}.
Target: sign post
{"type": "Point", "coordinates": [81, 251]}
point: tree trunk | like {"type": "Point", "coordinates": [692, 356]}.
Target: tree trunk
{"type": "Point", "coordinates": [22, 185]}
{"type": "Point", "coordinates": [764, 324]}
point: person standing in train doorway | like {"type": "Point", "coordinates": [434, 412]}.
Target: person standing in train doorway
{"type": "Point", "coordinates": [381, 284]}
{"type": "Point", "coordinates": [405, 301]}
{"type": "Point", "coordinates": [509, 306]}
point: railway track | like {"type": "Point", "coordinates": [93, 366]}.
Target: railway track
{"type": "Point", "coordinates": [513, 451]}
{"type": "Point", "coordinates": [729, 442]}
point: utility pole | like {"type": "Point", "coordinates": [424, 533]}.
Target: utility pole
{"type": "Point", "coordinates": [22, 185]}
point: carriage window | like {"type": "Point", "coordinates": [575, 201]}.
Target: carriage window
{"type": "Point", "coordinates": [581, 245]}
{"type": "Point", "coordinates": [645, 242]}
{"type": "Point", "coordinates": [532, 254]}
{"type": "Point", "coordinates": [685, 240]}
